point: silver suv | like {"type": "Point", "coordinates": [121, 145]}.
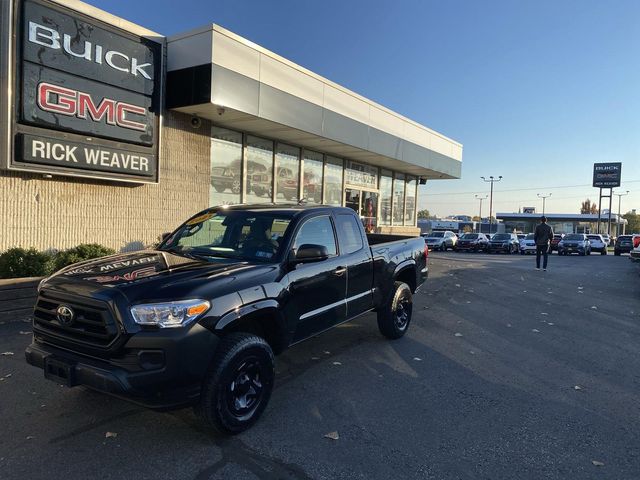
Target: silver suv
{"type": "Point", "coordinates": [441, 240]}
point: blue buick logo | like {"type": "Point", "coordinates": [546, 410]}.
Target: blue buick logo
{"type": "Point", "coordinates": [65, 315]}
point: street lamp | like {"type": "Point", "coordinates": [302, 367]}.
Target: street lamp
{"type": "Point", "coordinates": [543, 197]}
{"type": "Point", "coordinates": [492, 181]}
{"type": "Point", "coordinates": [478, 197]}
{"type": "Point", "coordinates": [620, 195]}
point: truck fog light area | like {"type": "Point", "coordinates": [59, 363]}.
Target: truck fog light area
{"type": "Point", "coordinates": [169, 314]}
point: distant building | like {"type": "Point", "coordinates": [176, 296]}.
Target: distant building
{"type": "Point", "coordinates": [563, 222]}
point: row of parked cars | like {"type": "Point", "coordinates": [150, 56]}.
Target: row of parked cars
{"type": "Point", "coordinates": [564, 244]}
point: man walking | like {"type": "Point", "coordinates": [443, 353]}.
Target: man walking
{"type": "Point", "coordinates": [542, 237]}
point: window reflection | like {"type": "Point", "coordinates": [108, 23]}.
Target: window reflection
{"type": "Point", "coordinates": [386, 190]}
{"type": "Point", "coordinates": [226, 167]}
{"type": "Point", "coordinates": [312, 177]}
{"type": "Point", "coordinates": [410, 211]}
{"type": "Point", "coordinates": [398, 199]}
{"type": "Point", "coordinates": [333, 181]}
{"type": "Point", "coordinates": [259, 185]}
{"type": "Point", "coordinates": [287, 173]}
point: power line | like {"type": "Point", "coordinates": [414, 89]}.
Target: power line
{"type": "Point", "coordinates": [523, 189]}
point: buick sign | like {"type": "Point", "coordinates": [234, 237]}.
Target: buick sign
{"type": "Point", "coordinates": [607, 175]}
{"type": "Point", "coordinates": [89, 95]}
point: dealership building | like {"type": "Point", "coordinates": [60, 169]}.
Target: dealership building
{"type": "Point", "coordinates": [113, 134]}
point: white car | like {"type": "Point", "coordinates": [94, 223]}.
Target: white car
{"type": "Point", "coordinates": [441, 240]}
{"type": "Point", "coordinates": [607, 238]}
{"type": "Point", "coordinates": [598, 243]}
{"type": "Point", "coordinates": [527, 245]}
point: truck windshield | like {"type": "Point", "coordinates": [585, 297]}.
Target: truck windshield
{"type": "Point", "coordinates": [243, 235]}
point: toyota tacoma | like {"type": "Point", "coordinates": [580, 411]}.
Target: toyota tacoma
{"type": "Point", "coordinates": [198, 320]}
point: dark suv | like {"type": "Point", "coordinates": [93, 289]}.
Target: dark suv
{"type": "Point", "coordinates": [624, 244]}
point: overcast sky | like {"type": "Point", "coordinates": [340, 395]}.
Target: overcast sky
{"type": "Point", "coordinates": [536, 91]}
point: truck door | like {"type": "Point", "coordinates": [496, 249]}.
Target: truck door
{"type": "Point", "coordinates": [356, 256]}
{"type": "Point", "coordinates": [318, 289]}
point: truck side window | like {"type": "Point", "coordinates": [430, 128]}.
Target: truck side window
{"type": "Point", "coordinates": [317, 231]}
{"type": "Point", "coordinates": [349, 232]}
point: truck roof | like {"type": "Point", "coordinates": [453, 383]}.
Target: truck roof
{"type": "Point", "coordinates": [280, 208]}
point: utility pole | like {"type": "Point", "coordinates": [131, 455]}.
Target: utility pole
{"type": "Point", "coordinates": [620, 195]}
{"type": "Point", "coordinates": [492, 181]}
{"type": "Point", "coordinates": [543, 197]}
{"type": "Point", "coordinates": [478, 197]}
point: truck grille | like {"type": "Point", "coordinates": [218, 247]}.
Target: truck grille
{"type": "Point", "coordinates": [93, 324]}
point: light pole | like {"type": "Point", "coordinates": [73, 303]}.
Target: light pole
{"type": "Point", "coordinates": [478, 197]}
{"type": "Point", "coordinates": [492, 181]}
{"type": "Point", "coordinates": [543, 197]}
{"type": "Point", "coordinates": [620, 195]}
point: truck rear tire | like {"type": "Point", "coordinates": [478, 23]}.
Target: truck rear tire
{"type": "Point", "coordinates": [394, 318]}
{"type": "Point", "coordinates": [238, 384]}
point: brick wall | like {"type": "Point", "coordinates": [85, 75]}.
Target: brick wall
{"type": "Point", "coordinates": [62, 212]}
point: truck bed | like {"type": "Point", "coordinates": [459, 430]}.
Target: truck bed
{"type": "Point", "coordinates": [379, 238]}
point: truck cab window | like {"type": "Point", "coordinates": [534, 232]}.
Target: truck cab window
{"type": "Point", "coordinates": [349, 232]}
{"type": "Point", "coordinates": [317, 231]}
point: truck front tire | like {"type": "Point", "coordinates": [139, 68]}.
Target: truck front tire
{"type": "Point", "coordinates": [238, 384]}
{"type": "Point", "coordinates": [394, 318]}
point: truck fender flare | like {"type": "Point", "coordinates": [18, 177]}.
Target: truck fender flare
{"type": "Point", "coordinates": [250, 309]}
{"type": "Point", "coordinates": [410, 262]}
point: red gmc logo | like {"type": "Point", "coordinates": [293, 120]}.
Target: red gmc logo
{"type": "Point", "coordinates": [74, 103]}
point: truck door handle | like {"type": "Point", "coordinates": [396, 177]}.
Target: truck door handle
{"type": "Point", "coordinates": [340, 271]}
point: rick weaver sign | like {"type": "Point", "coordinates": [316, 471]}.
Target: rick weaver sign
{"type": "Point", "coordinates": [88, 98]}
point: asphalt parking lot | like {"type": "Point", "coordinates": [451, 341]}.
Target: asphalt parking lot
{"type": "Point", "coordinates": [507, 372]}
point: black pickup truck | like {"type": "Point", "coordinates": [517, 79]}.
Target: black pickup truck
{"type": "Point", "coordinates": [198, 319]}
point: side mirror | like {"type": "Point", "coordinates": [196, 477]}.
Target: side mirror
{"type": "Point", "coordinates": [309, 252]}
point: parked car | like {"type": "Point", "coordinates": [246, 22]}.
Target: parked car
{"type": "Point", "coordinates": [287, 183]}
{"type": "Point", "coordinates": [198, 320]}
{"type": "Point", "coordinates": [636, 240]}
{"type": "Point", "coordinates": [624, 244]}
{"type": "Point", "coordinates": [635, 254]}
{"type": "Point", "coordinates": [574, 243]}
{"type": "Point", "coordinates": [521, 236]}
{"type": "Point", "coordinates": [441, 240]}
{"type": "Point", "coordinates": [472, 242]}
{"type": "Point", "coordinates": [223, 178]}
{"type": "Point", "coordinates": [598, 243]}
{"type": "Point", "coordinates": [527, 245]}
{"type": "Point", "coordinates": [553, 245]}
{"type": "Point", "coordinates": [504, 242]}
{"type": "Point", "coordinates": [607, 238]}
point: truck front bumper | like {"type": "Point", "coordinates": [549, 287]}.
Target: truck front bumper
{"type": "Point", "coordinates": [155, 369]}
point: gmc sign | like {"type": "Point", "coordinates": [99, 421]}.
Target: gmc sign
{"type": "Point", "coordinates": [607, 175]}
{"type": "Point", "coordinates": [89, 95]}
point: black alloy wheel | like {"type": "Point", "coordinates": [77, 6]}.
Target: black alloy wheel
{"type": "Point", "coordinates": [394, 318]}
{"type": "Point", "coordinates": [238, 385]}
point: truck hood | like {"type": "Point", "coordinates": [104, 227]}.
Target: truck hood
{"type": "Point", "coordinates": [155, 274]}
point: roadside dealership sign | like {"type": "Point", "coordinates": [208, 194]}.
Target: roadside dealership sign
{"type": "Point", "coordinates": [607, 175]}
{"type": "Point", "coordinates": [88, 95]}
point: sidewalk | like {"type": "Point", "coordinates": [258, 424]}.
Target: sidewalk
{"type": "Point", "coordinates": [17, 298]}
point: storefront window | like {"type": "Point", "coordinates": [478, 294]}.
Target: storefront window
{"type": "Point", "coordinates": [333, 181]}
{"type": "Point", "coordinates": [312, 177]}
{"type": "Point", "coordinates": [410, 211]}
{"type": "Point", "coordinates": [361, 175]}
{"type": "Point", "coordinates": [398, 199]}
{"type": "Point", "coordinates": [259, 184]}
{"type": "Point", "coordinates": [386, 190]}
{"type": "Point", "coordinates": [226, 167]}
{"type": "Point", "coordinates": [287, 173]}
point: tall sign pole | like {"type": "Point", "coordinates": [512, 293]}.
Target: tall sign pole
{"type": "Point", "coordinates": [619, 195]}
{"type": "Point", "coordinates": [491, 180]}
{"type": "Point", "coordinates": [478, 197]}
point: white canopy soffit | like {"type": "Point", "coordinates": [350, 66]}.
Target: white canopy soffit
{"type": "Point", "coordinates": [218, 75]}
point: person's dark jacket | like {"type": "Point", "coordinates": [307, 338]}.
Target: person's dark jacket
{"type": "Point", "coordinates": [543, 234]}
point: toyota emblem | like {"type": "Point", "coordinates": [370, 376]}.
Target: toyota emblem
{"type": "Point", "coordinates": [65, 315]}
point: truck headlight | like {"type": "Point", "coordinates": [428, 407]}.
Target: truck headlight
{"type": "Point", "coordinates": [169, 314]}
